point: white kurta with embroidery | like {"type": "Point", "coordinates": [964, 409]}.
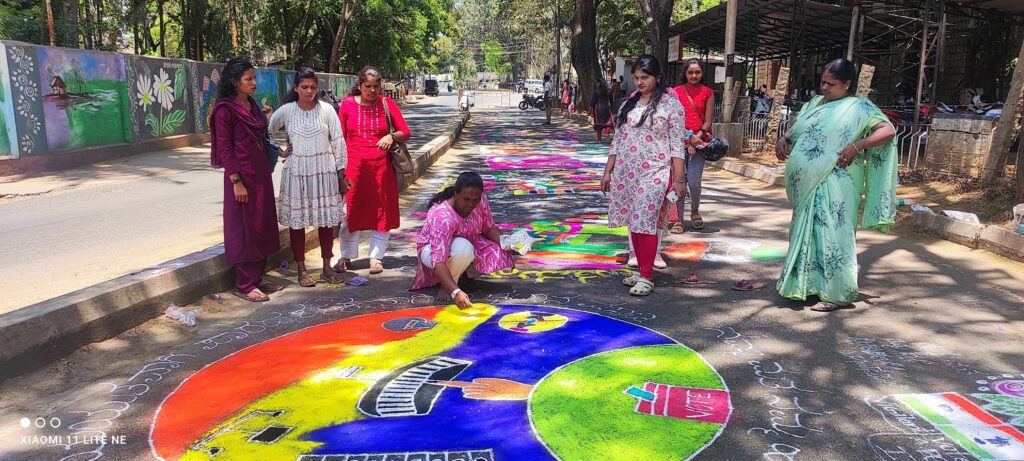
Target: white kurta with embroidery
{"type": "Point", "coordinates": [309, 180]}
{"type": "Point", "coordinates": [643, 166]}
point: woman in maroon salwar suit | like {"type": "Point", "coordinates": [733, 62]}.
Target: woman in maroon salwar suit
{"type": "Point", "coordinates": [238, 127]}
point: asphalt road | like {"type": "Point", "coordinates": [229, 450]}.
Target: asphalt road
{"type": "Point", "coordinates": [106, 220]}
{"type": "Point", "coordinates": [558, 362]}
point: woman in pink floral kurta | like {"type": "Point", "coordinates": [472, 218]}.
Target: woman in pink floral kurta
{"type": "Point", "coordinates": [459, 230]}
{"type": "Point", "coordinates": [646, 160]}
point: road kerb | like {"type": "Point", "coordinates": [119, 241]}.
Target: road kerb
{"type": "Point", "coordinates": [34, 336]}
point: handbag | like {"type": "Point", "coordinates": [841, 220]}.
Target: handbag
{"type": "Point", "coordinates": [398, 152]}
{"type": "Point", "coordinates": [715, 148]}
{"type": "Point", "coordinates": [273, 152]}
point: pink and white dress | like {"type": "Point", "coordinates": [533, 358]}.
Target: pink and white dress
{"type": "Point", "coordinates": [643, 166]}
{"type": "Point", "coordinates": [444, 224]}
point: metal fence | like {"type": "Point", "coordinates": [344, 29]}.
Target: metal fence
{"type": "Point", "coordinates": [755, 129]}
{"type": "Point", "coordinates": [911, 142]}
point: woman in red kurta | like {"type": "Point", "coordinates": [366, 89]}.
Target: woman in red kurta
{"type": "Point", "coordinates": [699, 104]}
{"type": "Point", "coordinates": [237, 130]}
{"type": "Point", "coordinates": [373, 199]}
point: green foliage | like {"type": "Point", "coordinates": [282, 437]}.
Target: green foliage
{"type": "Point", "coordinates": [495, 59]}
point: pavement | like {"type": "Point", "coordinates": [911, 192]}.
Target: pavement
{"type": "Point", "coordinates": [70, 229]}
{"type": "Point", "coordinates": [557, 361]}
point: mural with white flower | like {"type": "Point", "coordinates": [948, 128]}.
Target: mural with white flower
{"type": "Point", "coordinates": [159, 95]}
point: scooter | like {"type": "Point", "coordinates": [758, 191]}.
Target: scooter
{"type": "Point", "coordinates": [466, 102]}
{"type": "Point", "coordinates": [532, 101]}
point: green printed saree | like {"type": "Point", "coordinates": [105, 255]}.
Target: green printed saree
{"type": "Point", "coordinates": [822, 257]}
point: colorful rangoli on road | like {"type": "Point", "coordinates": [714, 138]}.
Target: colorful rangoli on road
{"type": "Point", "coordinates": [509, 382]}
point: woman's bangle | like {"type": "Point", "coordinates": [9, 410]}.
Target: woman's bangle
{"type": "Point", "coordinates": [455, 292]}
{"type": "Point", "coordinates": [679, 181]}
{"type": "Point", "coordinates": [856, 147]}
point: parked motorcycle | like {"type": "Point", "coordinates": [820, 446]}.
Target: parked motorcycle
{"type": "Point", "coordinates": [529, 101]}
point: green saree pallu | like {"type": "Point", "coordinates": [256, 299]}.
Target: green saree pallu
{"type": "Point", "coordinates": [822, 256]}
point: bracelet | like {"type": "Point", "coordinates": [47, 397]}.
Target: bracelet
{"type": "Point", "coordinates": [457, 291]}
{"type": "Point", "coordinates": [856, 147]}
{"type": "Point", "coordinates": [678, 181]}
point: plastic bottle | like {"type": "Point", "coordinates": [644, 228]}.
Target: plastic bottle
{"type": "Point", "coordinates": [180, 314]}
{"type": "Point", "coordinates": [904, 201]}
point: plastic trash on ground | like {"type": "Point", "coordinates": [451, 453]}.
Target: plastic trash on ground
{"type": "Point", "coordinates": [188, 317]}
{"type": "Point", "coordinates": [518, 241]}
{"type": "Point", "coordinates": [1018, 217]}
{"type": "Point", "coordinates": [962, 216]}
{"type": "Point", "coordinates": [921, 209]}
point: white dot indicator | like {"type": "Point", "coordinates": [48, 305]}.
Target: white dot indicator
{"type": "Point", "coordinates": [25, 423]}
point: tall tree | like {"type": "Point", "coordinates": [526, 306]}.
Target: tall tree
{"type": "Point", "coordinates": [49, 23]}
{"type": "Point", "coordinates": [71, 33]}
{"type": "Point", "coordinates": [583, 50]}
{"type": "Point", "coordinates": [339, 36]}
{"type": "Point", "coordinates": [233, 18]}
{"type": "Point", "coordinates": [657, 19]}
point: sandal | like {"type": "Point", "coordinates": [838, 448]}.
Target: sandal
{"type": "Point", "coordinates": [697, 221]}
{"type": "Point", "coordinates": [376, 266]}
{"type": "Point", "coordinates": [643, 287]}
{"type": "Point", "coordinates": [270, 287]}
{"type": "Point", "coordinates": [744, 285]}
{"type": "Point", "coordinates": [331, 277]}
{"type": "Point", "coordinates": [255, 296]}
{"type": "Point", "coordinates": [691, 279]}
{"type": "Point", "coordinates": [305, 280]}
{"type": "Point", "coordinates": [631, 280]}
{"type": "Point", "coordinates": [826, 307]}
{"type": "Point", "coordinates": [341, 266]}
{"type": "Point", "coordinates": [678, 228]}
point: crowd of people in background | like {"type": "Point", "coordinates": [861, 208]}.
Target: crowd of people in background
{"type": "Point", "coordinates": [339, 177]}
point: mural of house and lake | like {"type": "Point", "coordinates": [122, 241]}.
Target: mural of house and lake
{"type": "Point", "coordinates": [84, 98]}
{"type": "Point", "coordinates": [6, 127]}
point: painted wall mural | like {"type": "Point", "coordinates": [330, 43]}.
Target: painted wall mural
{"type": "Point", "coordinates": [84, 98]}
{"type": "Point", "coordinates": [268, 90]}
{"type": "Point", "coordinates": [159, 96]}
{"type": "Point", "coordinates": [26, 98]}
{"type": "Point", "coordinates": [505, 382]}
{"type": "Point", "coordinates": [6, 115]}
{"type": "Point", "coordinates": [208, 75]}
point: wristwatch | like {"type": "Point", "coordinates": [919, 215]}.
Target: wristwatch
{"type": "Point", "coordinates": [455, 292]}
{"type": "Point", "coordinates": [236, 181]}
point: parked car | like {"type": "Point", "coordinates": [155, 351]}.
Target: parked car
{"type": "Point", "coordinates": [534, 85]}
{"type": "Point", "coordinates": [430, 87]}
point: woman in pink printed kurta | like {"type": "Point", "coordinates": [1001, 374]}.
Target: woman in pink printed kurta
{"type": "Point", "coordinates": [459, 229]}
{"type": "Point", "coordinates": [645, 161]}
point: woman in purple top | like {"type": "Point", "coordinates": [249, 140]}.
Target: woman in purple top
{"type": "Point", "coordinates": [238, 127]}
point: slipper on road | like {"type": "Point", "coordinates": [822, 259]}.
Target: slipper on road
{"type": "Point", "coordinates": [745, 285]}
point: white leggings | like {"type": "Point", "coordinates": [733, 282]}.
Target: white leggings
{"type": "Point", "coordinates": [459, 258]}
{"type": "Point", "coordinates": [350, 243]}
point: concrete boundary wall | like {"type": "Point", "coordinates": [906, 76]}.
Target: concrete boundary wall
{"type": "Point", "coordinates": [62, 107]}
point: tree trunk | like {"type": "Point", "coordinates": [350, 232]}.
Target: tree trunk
{"type": "Point", "coordinates": [657, 18]}
{"type": "Point", "coordinates": [160, 10]}
{"type": "Point", "coordinates": [339, 37]}
{"type": "Point", "coordinates": [999, 150]}
{"type": "Point", "coordinates": [301, 39]}
{"type": "Point", "coordinates": [49, 23]}
{"type": "Point", "coordinates": [233, 12]}
{"type": "Point", "coordinates": [583, 52]}
{"type": "Point", "coordinates": [71, 33]}
{"type": "Point", "coordinates": [694, 7]}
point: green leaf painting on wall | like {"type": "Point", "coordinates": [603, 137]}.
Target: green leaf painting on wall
{"type": "Point", "coordinates": [157, 93]}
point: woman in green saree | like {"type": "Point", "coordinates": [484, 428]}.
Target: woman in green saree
{"type": "Point", "coordinates": [840, 151]}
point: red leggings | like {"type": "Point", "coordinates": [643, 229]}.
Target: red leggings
{"type": "Point", "coordinates": [645, 246]}
{"type": "Point", "coordinates": [298, 241]}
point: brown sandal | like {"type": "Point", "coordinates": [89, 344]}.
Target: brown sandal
{"type": "Point", "coordinates": [331, 277]}
{"type": "Point", "coordinates": [255, 296]}
{"type": "Point", "coordinates": [270, 287]}
{"type": "Point", "coordinates": [305, 280]}
{"type": "Point", "coordinates": [341, 266]}
{"type": "Point", "coordinates": [678, 228]}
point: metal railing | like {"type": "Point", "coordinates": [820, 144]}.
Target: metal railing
{"type": "Point", "coordinates": [911, 143]}
{"type": "Point", "coordinates": [755, 129]}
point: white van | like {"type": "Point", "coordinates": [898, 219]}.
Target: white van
{"type": "Point", "coordinates": [534, 85]}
